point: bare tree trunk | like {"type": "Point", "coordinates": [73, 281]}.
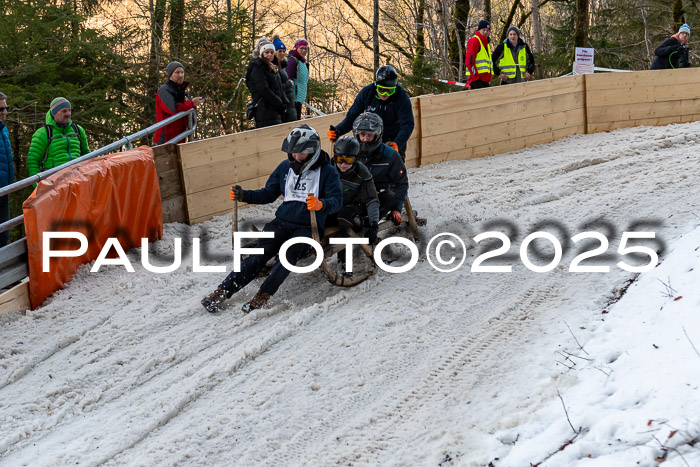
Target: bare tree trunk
{"type": "Point", "coordinates": [678, 14]}
{"type": "Point", "coordinates": [228, 13]}
{"type": "Point", "coordinates": [306, 10]}
{"type": "Point", "coordinates": [536, 26]}
{"type": "Point", "coordinates": [581, 23]}
{"type": "Point", "coordinates": [419, 60]}
{"type": "Point", "coordinates": [177, 27]}
{"type": "Point", "coordinates": [154, 56]}
{"type": "Point", "coordinates": [254, 22]}
{"type": "Point", "coordinates": [459, 34]}
{"type": "Point", "coordinates": [509, 21]}
{"type": "Point", "coordinates": [487, 10]}
{"type": "Point", "coordinates": [375, 36]}
{"type": "Point", "coordinates": [645, 14]}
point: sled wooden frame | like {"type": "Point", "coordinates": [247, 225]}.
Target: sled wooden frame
{"type": "Point", "coordinates": [412, 222]}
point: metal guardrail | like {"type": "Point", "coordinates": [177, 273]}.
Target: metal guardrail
{"type": "Point", "coordinates": [13, 266]}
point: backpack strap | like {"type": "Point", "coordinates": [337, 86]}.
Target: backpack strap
{"type": "Point", "coordinates": [49, 134]}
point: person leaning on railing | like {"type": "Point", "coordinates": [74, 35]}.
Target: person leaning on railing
{"type": "Point", "coordinates": [7, 168]}
{"type": "Point", "coordinates": [172, 99]}
{"type": "Point", "coordinates": [673, 52]}
{"type": "Point", "coordinates": [59, 141]}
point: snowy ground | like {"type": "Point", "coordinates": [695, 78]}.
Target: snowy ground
{"type": "Point", "coordinates": [421, 368]}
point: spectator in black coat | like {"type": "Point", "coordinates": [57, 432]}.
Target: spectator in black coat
{"type": "Point", "coordinates": [287, 85]}
{"type": "Point", "coordinates": [673, 52]}
{"type": "Point", "coordinates": [265, 85]}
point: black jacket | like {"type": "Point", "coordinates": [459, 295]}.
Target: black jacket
{"type": "Point", "coordinates": [288, 86]}
{"type": "Point", "coordinates": [359, 190]}
{"type": "Point", "coordinates": [388, 170]}
{"type": "Point", "coordinates": [667, 55]}
{"type": "Point", "coordinates": [266, 90]}
{"type": "Point", "coordinates": [396, 113]}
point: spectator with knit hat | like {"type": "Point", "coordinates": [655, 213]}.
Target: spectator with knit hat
{"type": "Point", "coordinates": [265, 85]}
{"type": "Point", "coordinates": [57, 142]}
{"type": "Point", "coordinates": [673, 52]}
{"type": "Point", "coordinates": [513, 61]}
{"type": "Point", "coordinates": [298, 71]}
{"type": "Point", "coordinates": [281, 61]}
{"type": "Point", "coordinates": [172, 98]}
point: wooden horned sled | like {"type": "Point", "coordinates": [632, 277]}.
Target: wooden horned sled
{"type": "Point", "coordinates": [411, 225]}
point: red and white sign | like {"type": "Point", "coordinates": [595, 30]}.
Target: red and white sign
{"type": "Point", "coordinates": [583, 62]}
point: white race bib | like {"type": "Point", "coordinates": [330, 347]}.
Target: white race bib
{"type": "Point", "coordinates": [298, 188]}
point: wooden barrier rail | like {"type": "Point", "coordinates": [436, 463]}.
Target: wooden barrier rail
{"type": "Point", "coordinates": [457, 126]}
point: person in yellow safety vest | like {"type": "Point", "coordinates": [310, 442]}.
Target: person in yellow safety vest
{"type": "Point", "coordinates": [513, 61]}
{"type": "Point", "coordinates": [478, 59]}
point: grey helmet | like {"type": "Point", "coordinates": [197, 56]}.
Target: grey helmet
{"type": "Point", "coordinates": [346, 146]}
{"type": "Point", "coordinates": [369, 122]}
{"type": "Point", "coordinates": [302, 139]}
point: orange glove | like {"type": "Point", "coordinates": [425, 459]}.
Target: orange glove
{"type": "Point", "coordinates": [393, 145]}
{"type": "Point", "coordinates": [395, 217]}
{"type": "Point", "coordinates": [236, 193]}
{"type": "Point", "coordinates": [313, 203]}
{"type": "Point", "coordinates": [332, 134]}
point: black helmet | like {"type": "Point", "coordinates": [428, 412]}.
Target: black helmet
{"type": "Point", "coordinates": [347, 146]}
{"type": "Point", "coordinates": [369, 122]}
{"type": "Point", "coordinates": [302, 139]}
{"type": "Point", "coordinates": [386, 76]}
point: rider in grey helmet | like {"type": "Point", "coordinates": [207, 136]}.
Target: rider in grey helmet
{"type": "Point", "coordinates": [308, 182]}
{"type": "Point", "coordinates": [385, 164]}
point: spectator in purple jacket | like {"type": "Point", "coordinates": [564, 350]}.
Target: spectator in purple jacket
{"type": "Point", "coordinates": [298, 71]}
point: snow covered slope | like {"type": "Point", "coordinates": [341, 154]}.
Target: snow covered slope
{"type": "Point", "coordinates": [419, 368]}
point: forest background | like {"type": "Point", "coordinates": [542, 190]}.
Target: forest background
{"type": "Point", "coordinates": [108, 57]}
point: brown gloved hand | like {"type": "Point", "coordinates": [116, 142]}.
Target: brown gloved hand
{"type": "Point", "coordinates": [313, 203]}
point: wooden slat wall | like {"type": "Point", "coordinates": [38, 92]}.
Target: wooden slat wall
{"type": "Point", "coordinates": [458, 126]}
{"type": "Point", "coordinates": [211, 166]}
{"type": "Point", "coordinates": [172, 193]}
{"type": "Point", "coordinates": [471, 124]}
{"type": "Point", "coordinates": [659, 97]}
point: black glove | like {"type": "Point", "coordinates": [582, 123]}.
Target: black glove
{"type": "Point", "coordinates": [372, 233]}
{"type": "Point", "coordinates": [674, 47]}
{"type": "Point", "coordinates": [236, 193]}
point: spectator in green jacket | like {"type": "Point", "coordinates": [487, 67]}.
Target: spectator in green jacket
{"type": "Point", "coordinates": [57, 142]}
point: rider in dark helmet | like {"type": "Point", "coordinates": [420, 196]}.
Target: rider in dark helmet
{"type": "Point", "coordinates": [308, 182]}
{"type": "Point", "coordinates": [386, 98]}
{"type": "Point", "coordinates": [385, 164]}
{"type": "Point", "coordinates": [360, 203]}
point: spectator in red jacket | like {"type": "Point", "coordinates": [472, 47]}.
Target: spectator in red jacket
{"type": "Point", "coordinates": [478, 61]}
{"type": "Point", "coordinates": [171, 99]}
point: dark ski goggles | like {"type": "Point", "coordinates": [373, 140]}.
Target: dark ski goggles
{"type": "Point", "coordinates": [344, 159]}
{"type": "Point", "coordinates": [385, 90]}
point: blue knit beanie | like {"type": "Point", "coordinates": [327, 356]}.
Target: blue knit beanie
{"type": "Point", "coordinates": [684, 28]}
{"type": "Point", "coordinates": [278, 42]}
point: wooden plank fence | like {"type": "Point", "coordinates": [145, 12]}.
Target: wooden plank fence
{"type": "Point", "coordinates": [456, 126]}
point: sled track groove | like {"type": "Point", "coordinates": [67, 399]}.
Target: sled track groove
{"type": "Point", "coordinates": [465, 369]}
{"type": "Point", "coordinates": [343, 419]}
